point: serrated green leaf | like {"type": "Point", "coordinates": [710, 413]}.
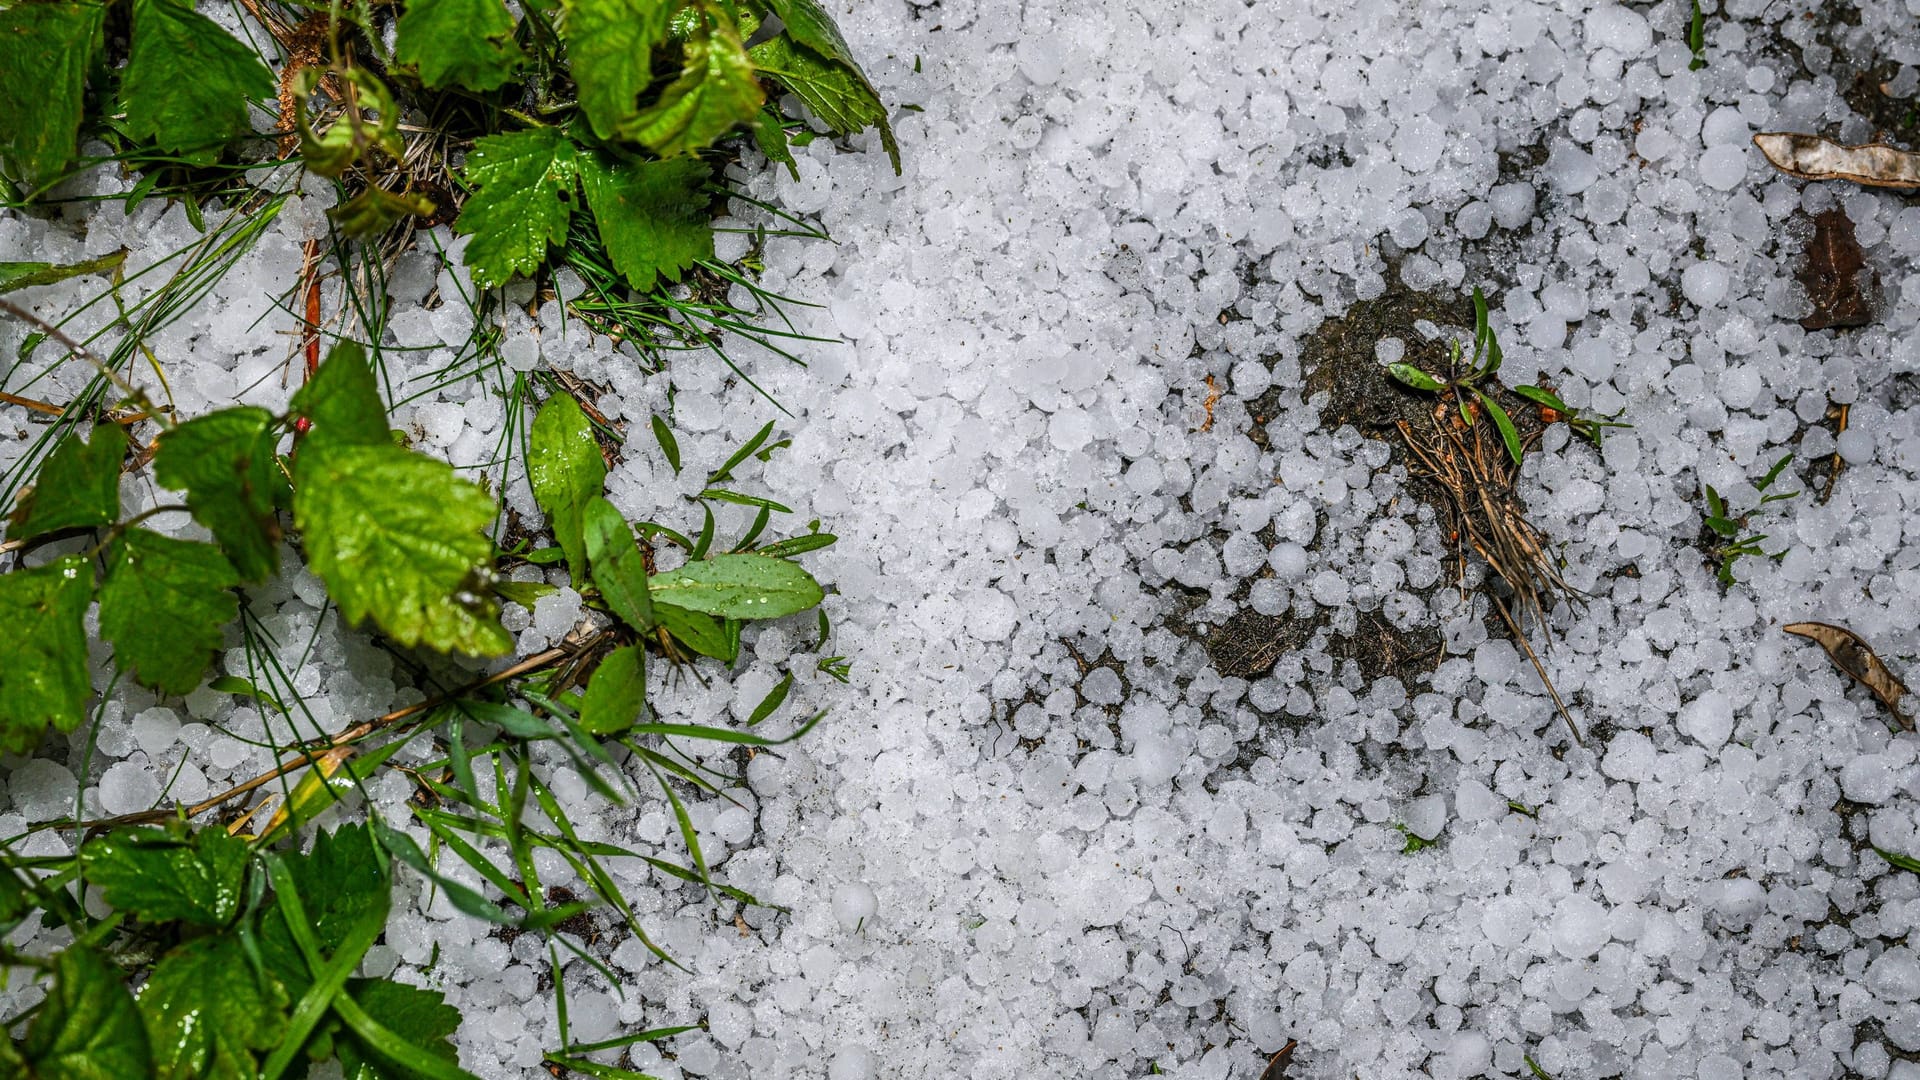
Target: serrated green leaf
{"type": "Point", "coordinates": [207, 1011]}
{"type": "Point", "coordinates": [715, 91]}
{"type": "Point", "coordinates": [652, 215]}
{"type": "Point", "coordinates": [618, 570]}
{"type": "Point", "coordinates": [45, 51]}
{"type": "Point", "coordinates": [1415, 377]}
{"type": "Point", "coordinates": [43, 655]}
{"type": "Point", "coordinates": [421, 1018]}
{"type": "Point", "coordinates": [617, 693]}
{"type": "Point", "coordinates": [78, 486]}
{"type": "Point", "coordinates": [89, 1028]}
{"type": "Point", "coordinates": [398, 538]}
{"type": "Point", "coordinates": [26, 275]}
{"type": "Point", "coordinates": [342, 399]}
{"type": "Point", "coordinates": [770, 135]}
{"type": "Point", "coordinates": [162, 876]}
{"type": "Point", "coordinates": [834, 91]}
{"type": "Point", "coordinates": [739, 587]}
{"type": "Point", "coordinates": [457, 42]}
{"type": "Point", "coordinates": [525, 183]}
{"type": "Point", "coordinates": [342, 881]}
{"type": "Point", "coordinates": [224, 462]}
{"type": "Point", "coordinates": [188, 82]}
{"type": "Point", "coordinates": [610, 47]}
{"type": "Point", "coordinates": [163, 605]}
{"type": "Point", "coordinates": [703, 634]}
{"type": "Point", "coordinates": [566, 470]}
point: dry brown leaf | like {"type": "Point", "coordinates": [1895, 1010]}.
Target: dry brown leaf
{"type": "Point", "coordinates": [1858, 660]}
{"type": "Point", "coordinates": [1277, 1066]}
{"type": "Point", "coordinates": [1835, 274]}
{"type": "Point", "coordinates": [1811, 157]}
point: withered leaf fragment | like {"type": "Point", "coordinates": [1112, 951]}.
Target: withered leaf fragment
{"type": "Point", "coordinates": [1810, 157]}
{"type": "Point", "coordinates": [1277, 1065]}
{"type": "Point", "coordinates": [1859, 662]}
{"type": "Point", "coordinates": [1835, 274]}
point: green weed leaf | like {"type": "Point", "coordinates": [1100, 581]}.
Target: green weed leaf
{"type": "Point", "coordinates": [770, 135]}
{"type": "Point", "coordinates": [45, 50]}
{"type": "Point", "coordinates": [43, 661]}
{"type": "Point", "coordinates": [188, 82]}
{"type": "Point", "coordinates": [525, 183]}
{"type": "Point", "coordinates": [652, 215]}
{"type": "Point", "coordinates": [162, 876]}
{"type": "Point", "coordinates": [163, 605]}
{"type": "Point", "coordinates": [78, 486]}
{"type": "Point", "coordinates": [618, 570]}
{"type": "Point", "coordinates": [25, 275]}
{"type": "Point", "coordinates": [739, 587]}
{"type": "Point", "coordinates": [566, 470]}
{"type": "Point", "coordinates": [420, 1019]}
{"type": "Point", "coordinates": [89, 1028]}
{"type": "Point", "coordinates": [703, 634]}
{"type": "Point", "coordinates": [1505, 423]}
{"type": "Point", "coordinates": [1540, 396]}
{"type": "Point", "coordinates": [224, 462]}
{"type": "Point", "coordinates": [342, 399]}
{"type": "Point", "coordinates": [398, 538]}
{"type": "Point", "coordinates": [342, 882]}
{"type": "Point", "coordinates": [834, 90]}
{"type": "Point", "coordinates": [617, 694]}
{"type": "Point", "coordinates": [207, 1011]}
{"type": "Point", "coordinates": [714, 92]}
{"type": "Point", "coordinates": [610, 47]}
{"type": "Point", "coordinates": [457, 42]}
{"type": "Point", "coordinates": [1415, 378]}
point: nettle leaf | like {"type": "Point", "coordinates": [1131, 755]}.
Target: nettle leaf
{"type": "Point", "coordinates": [45, 50]}
{"type": "Point", "coordinates": [565, 469]}
{"type": "Point", "coordinates": [342, 882]}
{"type": "Point", "coordinates": [524, 200]}
{"type": "Point", "coordinates": [422, 1018]}
{"type": "Point", "coordinates": [207, 1011]}
{"type": "Point", "coordinates": [163, 605]}
{"type": "Point", "coordinates": [398, 538]}
{"type": "Point", "coordinates": [43, 654]}
{"type": "Point", "coordinates": [739, 587]}
{"type": "Point", "coordinates": [619, 571]}
{"type": "Point", "coordinates": [457, 42]}
{"type": "Point", "coordinates": [162, 876]}
{"type": "Point", "coordinates": [342, 399]}
{"type": "Point", "coordinates": [652, 215]}
{"type": "Point", "coordinates": [224, 462]}
{"type": "Point", "coordinates": [89, 1028]}
{"type": "Point", "coordinates": [617, 693]}
{"type": "Point", "coordinates": [715, 92]}
{"type": "Point", "coordinates": [188, 81]}
{"type": "Point", "coordinates": [78, 486]}
{"type": "Point", "coordinates": [835, 91]}
{"type": "Point", "coordinates": [610, 47]}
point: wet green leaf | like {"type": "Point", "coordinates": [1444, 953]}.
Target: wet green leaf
{"type": "Point", "coordinates": [89, 1028]}
{"type": "Point", "coordinates": [417, 1018]}
{"type": "Point", "coordinates": [1505, 423]}
{"type": "Point", "coordinates": [525, 182]}
{"type": "Point", "coordinates": [617, 694]}
{"type": "Point", "coordinates": [164, 604]}
{"type": "Point", "coordinates": [78, 486]}
{"type": "Point", "coordinates": [835, 92]}
{"type": "Point", "coordinates": [342, 399]}
{"type": "Point", "coordinates": [188, 82]}
{"type": "Point", "coordinates": [25, 275]}
{"type": "Point", "coordinates": [43, 655]}
{"type": "Point", "coordinates": [566, 470]}
{"type": "Point", "coordinates": [702, 633]}
{"type": "Point", "coordinates": [224, 462]}
{"type": "Point", "coordinates": [208, 1012]}
{"type": "Point", "coordinates": [652, 215]}
{"type": "Point", "coordinates": [45, 51]}
{"type": "Point", "coordinates": [739, 587]}
{"type": "Point", "coordinates": [457, 42]}
{"type": "Point", "coordinates": [618, 570]}
{"type": "Point", "coordinates": [1415, 377]}
{"type": "Point", "coordinates": [610, 47]}
{"type": "Point", "coordinates": [715, 91]}
{"type": "Point", "coordinates": [162, 876]}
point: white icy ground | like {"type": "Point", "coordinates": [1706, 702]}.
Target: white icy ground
{"type": "Point", "coordinates": [999, 866]}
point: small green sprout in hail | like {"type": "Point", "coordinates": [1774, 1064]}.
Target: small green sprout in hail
{"type": "Point", "coordinates": [1697, 38]}
{"type": "Point", "coordinates": [1732, 532]}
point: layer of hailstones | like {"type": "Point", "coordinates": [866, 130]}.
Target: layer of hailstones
{"type": "Point", "coordinates": [1039, 835]}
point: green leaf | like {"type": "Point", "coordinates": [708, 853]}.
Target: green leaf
{"type": "Point", "coordinates": [398, 538]}
{"type": "Point", "coordinates": [772, 702]}
{"type": "Point", "coordinates": [1540, 396]}
{"type": "Point", "coordinates": [1716, 506]}
{"type": "Point", "coordinates": [702, 633]}
{"type": "Point", "coordinates": [618, 570]}
{"type": "Point", "coordinates": [1505, 423]}
{"type": "Point", "coordinates": [43, 655]}
{"type": "Point", "coordinates": [1773, 473]}
{"type": "Point", "coordinates": [1899, 861]}
{"type": "Point", "coordinates": [566, 470]}
{"type": "Point", "coordinates": [162, 876]}
{"type": "Point", "coordinates": [617, 694]}
{"type": "Point", "coordinates": [343, 881]}
{"type": "Point", "coordinates": [224, 462]}
{"type": "Point", "coordinates": [1415, 377]}
{"type": "Point", "coordinates": [836, 92]}
{"type": "Point", "coordinates": [25, 275]}
{"type": "Point", "coordinates": [457, 42]}
{"type": "Point", "coordinates": [798, 545]}
{"type": "Point", "coordinates": [525, 183]}
{"type": "Point", "coordinates": [1722, 526]}
{"type": "Point", "coordinates": [610, 47]}
{"type": "Point", "coordinates": [419, 1018]}
{"type": "Point", "coordinates": [45, 51]}
{"type": "Point", "coordinates": [188, 82]}
{"type": "Point", "coordinates": [375, 210]}
{"type": "Point", "coordinates": [770, 135]}
{"type": "Point", "coordinates": [78, 486]}
{"type": "Point", "coordinates": [715, 92]}
{"type": "Point", "coordinates": [342, 399]}
{"type": "Point", "coordinates": [234, 684]}
{"type": "Point", "coordinates": [524, 593]}
{"type": "Point", "coordinates": [652, 215]}
{"type": "Point", "coordinates": [856, 104]}
{"type": "Point", "coordinates": [739, 587]}
{"type": "Point", "coordinates": [207, 1011]}
{"type": "Point", "coordinates": [89, 1028]}
{"type": "Point", "coordinates": [669, 445]}
{"type": "Point", "coordinates": [163, 605]}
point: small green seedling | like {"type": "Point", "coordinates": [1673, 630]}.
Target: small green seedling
{"type": "Point", "coordinates": [1697, 38]}
{"type": "Point", "coordinates": [1465, 375]}
{"type": "Point", "coordinates": [1734, 530]}
{"type": "Point", "coordinates": [1415, 842]}
{"type": "Point", "coordinates": [1590, 428]}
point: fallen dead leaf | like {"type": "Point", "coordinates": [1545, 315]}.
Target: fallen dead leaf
{"type": "Point", "coordinates": [1835, 274]}
{"type": "Point", "coordinates": [1858, 661]}
{"type": "Point", "coordinates": [1277, 1065]}
{"type": "Point", "coordinates": [1810, 157]}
